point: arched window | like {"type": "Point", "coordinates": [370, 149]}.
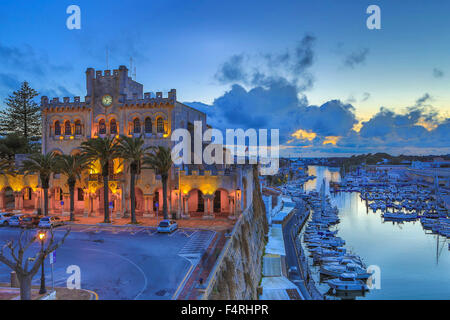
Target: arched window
{"type": "Point", "coordinates": [57, 128]}
{"type": "Point", "coordinates": [136, 126]}
{"type": "Point", "coordinates": [67, 128]}
{"type": "Point", "coordinates": [102, 127]}
{"type": "Point", "coordinates": [148, 125]}
{"type": "Point", "coordinates": [77, 127]}
{"type": "Point", "coordinates": [113, 126]}
{"type": "Point", "coordinates": [160, 125]}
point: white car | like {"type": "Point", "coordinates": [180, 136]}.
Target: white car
{"type": "Point", "coordinates": [167, 226]}
{"type": "Point", "coordinates": [47, 222]}
{"type": "Point", "coordinates": [14, 221]}
{"type": "Point", "coordinates": [4, 218]}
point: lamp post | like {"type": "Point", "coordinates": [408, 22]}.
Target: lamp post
{"type": "Point", "coordinates": [42, 236]}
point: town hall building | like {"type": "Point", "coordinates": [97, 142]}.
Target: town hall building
{"type": "Point", "coordinates": [116, 105]}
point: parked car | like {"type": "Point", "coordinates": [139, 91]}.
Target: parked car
{"type": "Point", "coordinates": [47, 222]}
{"type": "Point", "coordinates": [293, 274]}
{"type": "Point", "coordinates": [4, 218]}
{"type": "Point", "coordinates": [29, 221]}
{"type": "Point", "coordinates": [14, 221]}
{"type": "Point", "coordinates": [167, 226]}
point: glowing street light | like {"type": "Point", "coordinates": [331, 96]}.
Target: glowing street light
{"type": "Point", "coordinates": [42, 235]}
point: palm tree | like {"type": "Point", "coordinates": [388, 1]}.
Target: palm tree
{"type": "Point", "coordinates": [7, 167]}
{"type": "Point", "coordinates": [133, 152]}
{"type": "Point", "coordinates": [160, 160]}
{"type": "Point", "coordinates": [72, 166]}
{"type": "Point", "coordinates": [105, 150]}
{"type": "Point", "coordinates": [43, 165]}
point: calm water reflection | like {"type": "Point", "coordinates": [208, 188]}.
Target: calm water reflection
{"type": "Point", "coordinates": [414, 263]}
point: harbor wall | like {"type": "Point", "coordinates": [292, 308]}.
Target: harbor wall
{"type": "Point", "coordinates": [237, 272]}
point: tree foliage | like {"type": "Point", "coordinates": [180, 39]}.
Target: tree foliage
{"type": "Point", "coordinates": [22, 114]}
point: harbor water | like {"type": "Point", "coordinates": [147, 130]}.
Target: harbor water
{"type": "Point", "coordinates": [413, 262]}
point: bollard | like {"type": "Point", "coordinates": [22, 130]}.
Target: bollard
{"type": "Point", "coordinates": [14, 280]}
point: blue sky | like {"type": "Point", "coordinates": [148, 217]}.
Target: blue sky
{"type": "Point", "coordinates": [348, 72]}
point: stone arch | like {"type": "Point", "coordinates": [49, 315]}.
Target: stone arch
{"type": "Point", "coordinates": [55, 195]}
{"type": "Point", "coordinates": [221, 203]}
{"type": "Point", "coordinates": [8, 198]}
{"type": "Point", "coordinates": [195, 201]}
{"type": "Point", "coordinates": [28, 197]}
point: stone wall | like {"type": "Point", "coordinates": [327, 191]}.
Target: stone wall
{"type": "Point", "coordinates": [237, 273]}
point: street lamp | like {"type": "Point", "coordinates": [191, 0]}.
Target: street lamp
{"type": "Point", "coordinates": [41, 236]}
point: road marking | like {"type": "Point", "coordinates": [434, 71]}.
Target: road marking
{"type": "Point", "coordinates": [131, 262]}
{"type": "Point", "coordinates": [197, 244]}
{"type": "Point", "coordinates": [182, 283]}
{"type": "Point", "coordinates": [176, 231]}
{"type": "Point", "coordinates": [92, 292]}
{"type": "Point", "coordinates": [150, 232]}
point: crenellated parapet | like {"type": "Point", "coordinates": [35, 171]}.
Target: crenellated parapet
{"type": "Point", "coordinates": [56, 105]}
{"type": "Point", "coordinates": [150, 101]}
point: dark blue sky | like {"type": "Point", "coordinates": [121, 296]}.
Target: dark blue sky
{"type": "Point", "coordinates": [188, 45]}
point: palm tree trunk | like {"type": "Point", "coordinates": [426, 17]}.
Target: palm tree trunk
{"type": "Point", "coordinates": [45, 201]}
{"type": "Point", "coordinates": [72, 204]}
{"type": "Point", "coordinates": [164, 186]}
{"type": "Point", "coordinates": [133, 197]}
{"type": "Point", "coordinates": [105, 199]}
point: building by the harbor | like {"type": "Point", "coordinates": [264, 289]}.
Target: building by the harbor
{"type": "Point", "coordinates": [115, 105]}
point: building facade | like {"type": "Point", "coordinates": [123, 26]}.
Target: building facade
{"type": "Point", "coordinates": [116, 105]}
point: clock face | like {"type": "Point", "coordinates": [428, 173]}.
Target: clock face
{"type": "Point", "coordinates": [107, 100]}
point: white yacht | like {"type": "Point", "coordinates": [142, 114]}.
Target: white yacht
{"type": "Point", "coordinates": [335, 270]}
{"type": "Point", "coordinates": [347, 282]}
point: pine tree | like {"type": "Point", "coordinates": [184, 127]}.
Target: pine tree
{"type": "Point", "coordinates": [22, 115]}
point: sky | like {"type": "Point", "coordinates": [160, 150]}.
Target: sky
{"type": "Point", "coordinates": [311, 69]}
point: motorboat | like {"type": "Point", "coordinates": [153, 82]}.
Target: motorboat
{"type": "Point", "coordinates": [335, 270]}
{"type": "Point", "coordinates": [400, 216]}
{"type": "Point", "coordinates": [347, 282]}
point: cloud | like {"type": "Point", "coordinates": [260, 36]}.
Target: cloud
{"type": "Point", "coordinates": [329, 128]}
{"type": "Point", "coordinates": [264, 68]}
{"type": "Point", "coordinates": [268, 91]}
{"type": "Point", "coordinates": [232, 70]}
{"type": "Point", "coordinates": [421, 101]}
{"type": "Point", "coordinates": [25, 64]}
{"type": "Point", "coordinates": [304, 54]}
{"type": "Point", "coordinates": [355, 58]}
{"type": "Point", "coordinates": [366, 96]}
{"type": "Point", "coordinates": [9, 82]}
{"type": "Point", "coordinates": [24, 59]}
{"type": "Point", "coordinates": [438, 73]}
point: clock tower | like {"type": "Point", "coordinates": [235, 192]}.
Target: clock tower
{"type": "Point", "coordinates": [107, 90]}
